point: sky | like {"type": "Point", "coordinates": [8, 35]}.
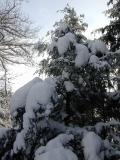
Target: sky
{"type": "Point", "coordinates": [43, 14]}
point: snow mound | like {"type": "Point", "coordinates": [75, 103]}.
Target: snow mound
{"type": "Point", "coordinates": [82, 55]}
{"type": "Point", "coordinates": [55, 150]}
{"type": "Point", "coordinates": [18, 100]}
{"type": "Point", "coordinates": [59, 141]}
{"type": "Point", "coordinates": [93, 59]}
{"type": "Point", "coordinates": [63, 43]}
{"type": "Point", "coordinates": [92, 144]}
{"type": "Point", "coordinates": [99, 126]}
{"type": "Point", "coordinates": [51, 81]}
{"type": "Point", "coordinates": [97, 46]}
{"type": "Point", "coordinates": [57, 154]}
{"type": "Point", "coordinates": [19, 143]}
{"type": "Point", "coordinates": [41, 94]}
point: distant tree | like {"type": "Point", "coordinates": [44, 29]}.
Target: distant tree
{"type": "Point", "coordinates": [112, 30]}
{"type": "Point", "coordinates": [5, 108]}
{"type": "Point", "coordinates": [15, 34]}
{"type": "Point", "coordinates": [111, 36]}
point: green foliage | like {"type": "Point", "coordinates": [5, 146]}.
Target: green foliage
{"type": "Point", "coordinates": [111, 32]}
{"type": "Point", "coordinates": [74, 21]}
{"type": "Point", "coordinates": [111, 36]}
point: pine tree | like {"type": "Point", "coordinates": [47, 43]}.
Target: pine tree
{"type": "Point", "coordinates": [90, 80]}
{"type": "Point", "coordinates": [112, 30]}
{"type": "Point", "coordinates": [111, 35]}
{"type": "Point", "coordinates": [82, 81]}
{"type": "Point", "coordinates": [65, 116]}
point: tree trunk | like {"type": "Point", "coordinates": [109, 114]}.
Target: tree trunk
{"type": "Point", "coordinates": [118, 78]}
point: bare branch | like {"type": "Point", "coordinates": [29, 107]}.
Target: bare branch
{"type": "Point", "coordinates": [15, 33]}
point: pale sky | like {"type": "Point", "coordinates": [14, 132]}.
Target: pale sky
{"type": "Point", "coordinates": [43, 13]}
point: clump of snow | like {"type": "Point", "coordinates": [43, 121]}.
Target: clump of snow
{"type": "Point", "coordinates": [26, 121]}
{"type": "Point", "coordinates": [63, 43]}
{"type": "Point", "coordinates": [57, 154]}
{"type": "Point", "coordinates": [62, 27]}
{"type": "Point", "coordinates": [51, 81]}
{"type": "Point", "coordinates": [94, 59]}
{"type": "Point", "coordinates": [59, 141]}
{"type": "Point", "coordinates": [99, 126]}
{"type": "Point", "coordinates": [113, 122]}
{"type": "Point", "coordinates": [92, 144]}
{"type": "Point", "coordinates": [19, 143]}
{"type": "Point", "coordinates": [80, 80]}
{"type": "Point", "coordinates": [65, 75]}
{"type": "Point", "coordinates": [18, 100]}
{"type": "Point", "coordinates": [55, 149]}
{"type": "Point", "coordinates": [118, 51]}
{"type": "Point", "coordinates": [69, 86]}
{"type": "Point", "coordinates": [97, 46]}
{"type": "Point", "coordinates": [97, 64]}
{"type": "Point", "coordinates": [40, 95]}
{"type": "Point", "coordinates": [82, 55]}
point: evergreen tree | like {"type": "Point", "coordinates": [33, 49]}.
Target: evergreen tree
{"type": "Point", "coordinates": [111, 36]}
{"type": "Point", "coordinates": [65, 117]}
{"type": "Point", "coordinates": [81, 64]}
{"type": "Point", "coordinates": [112, 30]}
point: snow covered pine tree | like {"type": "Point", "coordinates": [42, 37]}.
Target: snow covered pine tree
{"type": "Point", "coordinates": [65, 117]}
{"type": "Point", "coordinates": [111, 36]}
